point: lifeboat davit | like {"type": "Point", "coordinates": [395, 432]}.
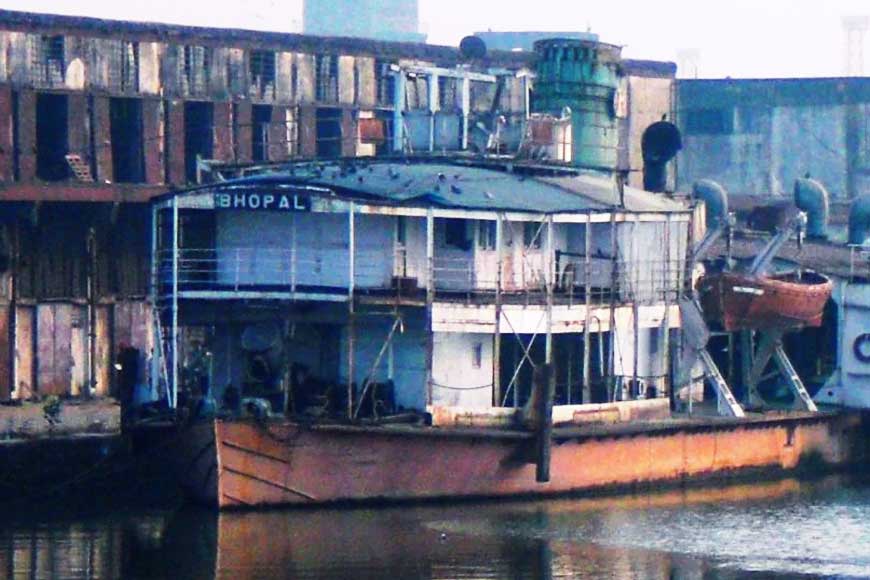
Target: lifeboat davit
{"type": "Point", "coordinates": [744, 302]}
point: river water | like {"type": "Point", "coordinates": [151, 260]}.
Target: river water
{"type": "Point", "coordinates": [784, 529]}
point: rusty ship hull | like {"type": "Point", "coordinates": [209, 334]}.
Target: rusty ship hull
{"type": "Point", "coordinates": [742, 302]}
{"type": "Point", "coordinates": [249, 464]}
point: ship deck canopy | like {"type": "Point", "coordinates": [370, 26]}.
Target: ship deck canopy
{"type": "Point", "coordinates": [438, 185]}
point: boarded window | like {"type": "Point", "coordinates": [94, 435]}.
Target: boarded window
{"type": "Point", "coordinates": [710, 121]}
{"type": "Point", "coordinates": [47, 63]}
{"type": "Point", "coordinates": [326, 78]}
{"type": "Point", "coordinates": [128, 162]}
{"type": "Point", "coordinates": [262, 65]}
{"type": "Point", "coordinates": [51, 137]}
{"type": "Point", "coordinates": [385, 83]}
{"type": "Point", "coordinates": [196, 64]}
{"type": "Point", "coordinates": [124, 74]}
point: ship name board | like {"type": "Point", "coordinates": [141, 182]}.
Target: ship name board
{"type": "Point", "coordinates": [268, 201]}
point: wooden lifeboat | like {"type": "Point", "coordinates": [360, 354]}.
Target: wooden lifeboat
{"type": "Point", "coordinates": [743, 302]}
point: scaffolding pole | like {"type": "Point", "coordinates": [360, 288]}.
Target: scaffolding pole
{"type": "Point", "coordinates": [430, 299]}
{"type": "Point", "coordinates": [587, 334]}
{"type": "Point", "coordinates": [614, 279]}
{"type": "Point", "coordinates": [550, 265]}
{"type": "Point", "coordinates": [496, 342]}
{"type": "Point", "coordinates": [173, 403]}
{"type": "Point", "coordinates": [351, 313]}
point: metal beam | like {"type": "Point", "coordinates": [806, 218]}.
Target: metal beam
{"type": "Point", "coordinates": [173, 403]}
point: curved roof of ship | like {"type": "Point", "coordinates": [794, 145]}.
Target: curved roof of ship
{"type": "Point", "coordinates": [451, 185]}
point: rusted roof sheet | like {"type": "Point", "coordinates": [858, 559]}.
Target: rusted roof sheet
{"type": "Point", "coordinates": [824, 257]}
{"type": "Point", "coordinates": [442, 184]}
{"type": "Point", "coordinates": [98, 27]}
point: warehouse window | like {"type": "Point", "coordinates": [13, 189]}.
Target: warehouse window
{"type": "Point", "coordinates": [326, 78]}
{"type": "Point", "coordinates": [51, 137]}
{"type": "Point", "coordinates": [47, 63]}
{"type": "Point", "coordinates": [385, 83]}
{"type": "Point", "coordinates": [262, 122]}
{"type": "Point", "coordinates": [196, 63]}
{"type": "Point", "coordinates": [198, 136]}
{"type": "Point", "coordinates": [262, 65]}
{"type": "Point", "coordinates": [128, 162]}
{"type": "Point", "coordinates": [709, 121]}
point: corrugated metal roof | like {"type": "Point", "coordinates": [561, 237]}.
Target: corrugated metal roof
{"type": "Point", "coordinates": [461, 187]}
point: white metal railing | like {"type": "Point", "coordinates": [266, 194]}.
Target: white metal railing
{"type": "Point", "coordinates": [328, 268]}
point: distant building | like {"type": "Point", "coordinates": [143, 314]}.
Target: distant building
{"type": "Point", "coordinates": [393, 20]}
{"type": "Point", "coordinates": [526, 39]}
{"type": "Point", "coordinates": [756, 136]}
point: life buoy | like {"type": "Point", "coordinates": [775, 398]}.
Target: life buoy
{"type": "Point", "coordinates": [859, 348]}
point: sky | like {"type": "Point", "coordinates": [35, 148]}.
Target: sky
{"type": "Point", "coordinates": [725, 38]}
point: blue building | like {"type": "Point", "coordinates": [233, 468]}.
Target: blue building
{"type": "Point", "coordinates": [393, 20]}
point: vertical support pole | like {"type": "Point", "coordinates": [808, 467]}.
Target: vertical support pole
{"type": "Point", "coordinates": [294, 267]}
{"type": "Point", "coordinates": [13, 308]}
{"type": "Point", "coordinates": [614, 289]}
{"type": "Point", "coordinates": [156, 348]}
{"type": "Point", "coordinates": [550, 280]}
{"type": "Point", "coordinates": [666, 336]}
{"type": "Point", "coordinates": [747, 353]}
{"type": "Point", "coordinates": [496, 343]}
{"type": "Point", "coordinates": [430, 299]}
{"type": "Point", "coordinates": [587, 334]}
{"type": "Point", "coordinates": [545, 382]}
{"type": "Point", "coordinates": [465, 85]}
{"type": "Point", "coordinates": [399, 112]}
{"type": "Point", "coordinates": [351, 313]}
{"type": "Point", "coordinates": [173, 403]}
{"type": "Point", "coordinates": [434, 107]}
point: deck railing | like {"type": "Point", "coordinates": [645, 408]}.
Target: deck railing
{"type": "Point", "coordinates": [461, 278]}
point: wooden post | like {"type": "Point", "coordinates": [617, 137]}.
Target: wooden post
{"type": "Point", "coordinates": [496, 343]}
{"type": "Point", "coordinates": [430, 299]}
{"type": "Point", "coordinates": [351, 314]}
{"type": "Point", "coordinates": [545, 385]}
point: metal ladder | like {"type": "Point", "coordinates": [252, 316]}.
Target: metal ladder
{"type": "Point", "coordinates": [725, 398]}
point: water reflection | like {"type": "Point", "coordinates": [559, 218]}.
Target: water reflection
{"type": "Point", "coordinates": [784, 529]}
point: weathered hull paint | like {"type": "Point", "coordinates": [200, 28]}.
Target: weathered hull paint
{"type": "Point", "coordinates": [743, 302]}
{"type": "Point", "coordinates": [232, 464]}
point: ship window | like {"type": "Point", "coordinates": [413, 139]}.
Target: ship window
{"type": "Point", "coordinates": [455, 234]}
{"type": "Point", "coordinates": [477, 355]}
{"type": "Point", "coordinates": [710, 121]}
{"type": "Point", "coordinates": [532, 234]}
{"type": "Point", "coordinates": [447, 93]}
{"type": "Point", "coordinates": [401, 230]}
{"type": "Point", "coordinates": [486, 234]}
